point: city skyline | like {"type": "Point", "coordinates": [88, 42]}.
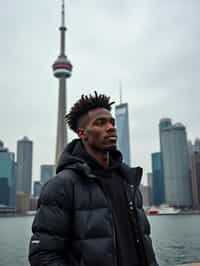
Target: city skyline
{"type": "Point", "coordinates": [159, 73]}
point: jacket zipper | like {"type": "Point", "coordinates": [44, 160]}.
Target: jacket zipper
{"type": "Point", "coordinates": [114, 235]}
{"type": "Point", "coordinates": [112, 222]}
{"type": "Point", "coordinates": [131, 191]}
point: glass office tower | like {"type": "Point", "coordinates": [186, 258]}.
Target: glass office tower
{"type": "Point", "coordinates": [24, 168]}
{"type": "Point", "coordinates": [122, 124]}
{"type": "Point", "coordinates": [176, 168]}
{"type": "Point", "coordinates": [7, 177]}
{"type": "Point", "coordinates": [158, 194]}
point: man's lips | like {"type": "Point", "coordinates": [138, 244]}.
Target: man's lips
{"type": "Point", "coordinates": [111, 137]}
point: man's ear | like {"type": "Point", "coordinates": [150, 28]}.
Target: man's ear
{"type": "Point", "coordinates": [82, 134]}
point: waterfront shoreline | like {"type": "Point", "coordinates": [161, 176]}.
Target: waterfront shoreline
{"type": "Point", "coordinates": [190, 264]}
{"type": "Point", "coordinates": [175, 214]}
{"type": "Point", "coordinates": [172, 214]}
{"type": "Point", "coordinates": [5, 215]}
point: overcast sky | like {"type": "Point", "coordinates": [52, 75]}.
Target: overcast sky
{"type": "Point", "coordinates": [153, 47]}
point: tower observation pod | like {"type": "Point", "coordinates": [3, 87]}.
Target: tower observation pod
{"type": "Point", "coordinates": [62, 69]}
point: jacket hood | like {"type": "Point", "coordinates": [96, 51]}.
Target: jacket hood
{"type": "Point", "coordinates": [75, 153]}
{"type": "Point", "coordinates": [68, 158]}
{"type": "Point", "coordinates": [75, 157]}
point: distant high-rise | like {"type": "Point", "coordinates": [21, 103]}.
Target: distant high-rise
{"type": "Point", "coordinates": [36, 188]}
{"type": "Point", "coordinates": [190, 151]}
{"type": "Point", "coordinates": [145, 190]}
{"type": "Point", "coordinates": [158, 191]}
{"type": "Point", "coordinates": [149, 183]}
{"type": "Point", "coordinates": [149, 179]}
{"type": "Point", "coordinates": [196, 179]}
{"type": "Point", "coordinates": [62, 69]}
{"type": "Point", "coordinates": [4, 192]}
{"type": "Point", "coordinates": [122, 123]}
{"type": "Point", "coordinates": [24, 161]}
{"type": "Point", "coordinates": [46, 172]}
{"type": "Point", "coordinates": [193, 148]}
{"type": "Point", "coordinates": [7, 177]}
{"type": "Point", "coordinates": [197, 144]}
{"type": "Point", "coordinates": [164, 123]}
{"type": "Point", "coordinates": [175, 160]}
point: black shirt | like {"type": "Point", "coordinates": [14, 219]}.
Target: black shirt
{"type": "Point", "coordinates": [126, 245]}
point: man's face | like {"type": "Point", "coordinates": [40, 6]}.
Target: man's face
{"type": "Point", "coordinates": [99, 131]}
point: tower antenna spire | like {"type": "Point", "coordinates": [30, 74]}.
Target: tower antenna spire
{"type": "Point", "coordinates": [120, 92]}
{"type": "Point", "coordinates": [62, 69]}
{"type": "Point", "coordinates": [63, 14]}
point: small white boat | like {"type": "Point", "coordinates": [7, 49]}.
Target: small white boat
{"type": "Point", "coordinates": [162, 209]}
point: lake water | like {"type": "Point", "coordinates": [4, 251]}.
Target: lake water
{"type": "Point", "coordinates": [176, 239]}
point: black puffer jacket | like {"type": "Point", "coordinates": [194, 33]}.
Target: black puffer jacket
{"type": "Point", "coordinates": [73, 225]}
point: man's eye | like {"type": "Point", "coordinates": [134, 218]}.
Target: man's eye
{"type": "Point", "coordinates": [100, 122]}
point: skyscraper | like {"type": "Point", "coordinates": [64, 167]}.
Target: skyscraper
{"type": "Point", "coordinates": [122, 123]}
{"type": "Point", "coordinates": [145, 190]}
{"type": "Point", "coordinates": [197, 144]}
{"type": "Point", "coordinates": [24, 165]}
{"type": "Point", "coordinates": [164, 123]}
{"type": "Point", "coordinates": [190, 151]}
{"type": "Point", "coordinates": [149, 179]}
{"type": "Point", "coordinates": [36, 188]}
{"type": "Point", "coordinates": [158, 193]}
{"type": "Point", "coordinates": [7, 177]}
{"type": "Point", "coordinates": [46, 172]}
{"type": "Point", "coordinates": [62, 69]}
{"type": "Point", "coordinates": [196, 179]}
{"type": "Point", "coordinates": [149, 183]}
{"type": "Point", "coordinates": [175, 160]}
{"type": "Point", "coordinates": [4, 192]}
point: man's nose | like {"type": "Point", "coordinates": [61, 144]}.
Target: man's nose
{"type": "Point", "coordinates": [110, 127]}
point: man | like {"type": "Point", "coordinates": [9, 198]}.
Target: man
{"type": "Point", "coordinates": [90, 213]}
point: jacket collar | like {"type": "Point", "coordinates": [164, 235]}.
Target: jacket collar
{"type": "Point", "coordinates": [132, 175]}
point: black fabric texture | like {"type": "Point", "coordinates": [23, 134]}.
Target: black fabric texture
{"type": "Point", "coordinates": [113, 185]}
{"type": "Point", "coordinates": [78, 214]}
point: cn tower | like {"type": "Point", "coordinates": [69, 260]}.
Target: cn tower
{"type": "Point", "coordinates": [62, 69]}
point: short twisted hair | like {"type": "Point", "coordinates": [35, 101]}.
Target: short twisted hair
{"type": "Point", "coordinates": [84, 105]}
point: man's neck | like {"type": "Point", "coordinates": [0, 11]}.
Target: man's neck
{"type": "Point", "coordinates": [101, 157]}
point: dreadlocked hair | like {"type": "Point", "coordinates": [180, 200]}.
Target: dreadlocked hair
{"type": "Point", "coordinates": [84, 105]}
